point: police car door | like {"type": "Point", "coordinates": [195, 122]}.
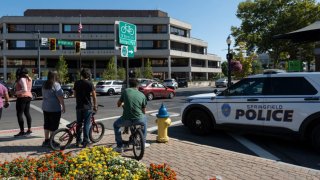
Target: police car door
{"type": "Point", "coordinates": [241, 102]}
{"type": "Point", "coordinates": [286, 101]}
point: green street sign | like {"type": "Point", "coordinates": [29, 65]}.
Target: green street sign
{"type": "Point", "coordinates": [124, 51]}
{"type": "Point", "coordinates": [130, 51]}
{"type": "Point", "coordinates": [65, 43]}
{"type": "Point", "coordinates": [295, 66]}
{"type": "Point", "coordinates": [127, 33]}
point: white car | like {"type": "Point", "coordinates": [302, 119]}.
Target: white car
{"type": "Point", "coordinates": [109, 87]}
{"type": "Point", "coordinates": [272, 103]}
{"type": "Point", "coordinates": [172, 83]}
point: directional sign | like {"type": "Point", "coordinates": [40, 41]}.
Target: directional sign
{"type": "Point", "coordinates": [295, 66]}
{"type": "Point", "coordinates": [44, 41]}
{"type": "Point", "coordinates": [124, 51]}
{"type": "Point", "coordinates": [127, 33]}
{"type": "Point", "coordinates": [65, 43]}
{"type": "Point", "coordinates": [130, 51]}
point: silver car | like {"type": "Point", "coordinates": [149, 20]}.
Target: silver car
{"type": "Point", "coordinates": [109, 87]}
{"type": "Point", "coordinates": [222, 82]}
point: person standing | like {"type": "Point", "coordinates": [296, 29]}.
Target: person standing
{"type": "Point", "coordinates": [83, 89]}
{"type": "Point", "coordinates": [52, 105]}
{"type": "Point", "coordinates": [23, 93]}
{"type": "Point", "coordinates": [3, 94]}
{"type": "Point", "coordinates": [134, 109]}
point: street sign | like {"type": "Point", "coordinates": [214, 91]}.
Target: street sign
{"type": "Point", "coordinates": [131, 51]}
{"type": "Point", "coordinates": [295, 66]}
{"type": "Point", "coordinates": [65, 43]}
{"type": "Point", "coordinates": [124, 51]}
{"type": "Point", "coordinates": [83, 45]}
{"type": "Point", "coordinates": [44, 41]}
{"type": "Point", "coordinates": [127, 33]}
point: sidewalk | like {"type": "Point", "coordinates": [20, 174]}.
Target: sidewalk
{"type": "Point", "coordinates": [189, 160]}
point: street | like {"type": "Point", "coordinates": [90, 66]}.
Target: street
{"type": "Point", "coordinates": [275, 148]}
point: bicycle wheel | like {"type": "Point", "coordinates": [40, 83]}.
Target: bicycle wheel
{"type": "Point", "coordinates": [138, 144]}
{"type": "Point", "coordinates": [60, 139]}
{"type": "Point", "coordinates": [96, 132]}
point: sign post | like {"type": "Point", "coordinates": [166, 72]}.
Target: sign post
{"type": "Point", "coordinates": [128, 39]}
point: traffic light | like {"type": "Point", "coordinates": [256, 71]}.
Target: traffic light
{"type": "Point", "coordinates": [77, 47]}
{"type": "Point", "coordinates": [52, 44]}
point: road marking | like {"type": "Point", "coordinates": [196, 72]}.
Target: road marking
{"type": "Point", "coordinates": [254, 148]}
{"type": "Point", "coordinates": [62, 121]}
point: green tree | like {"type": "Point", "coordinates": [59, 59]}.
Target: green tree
{"type": "Point", "coordinates": [121, 73]}
{"type": "Point", "coordinates": [263, 19]}
{"type": "Point", "coordinates": [148, 73]}
{"type": "Point", "coordinates": [12, 76]}
{"type": "Point", "coordinates": [256, 67]}
{"type": "Point", "coordinates": [45, 73]}
{"type": "Point", "coordinates": [224, 67]}
{"type": "Point", "coordinates": [137, 73]}
{"type": "Point", "coordinates": [62, 69]}
{"type": "Point", "coordinates": [110, 72]}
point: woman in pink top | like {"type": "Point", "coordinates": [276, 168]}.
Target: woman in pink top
{"type": "Point", "coordinates": [5, 95]}
{"type": "Point", "coordinates": [23, 92]}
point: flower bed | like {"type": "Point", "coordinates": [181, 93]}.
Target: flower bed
{"type": "Point", "coordinates": [91, 163]}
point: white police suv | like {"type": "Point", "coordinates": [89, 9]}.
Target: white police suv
{"type": "Point", "coordinates": [270, 103]}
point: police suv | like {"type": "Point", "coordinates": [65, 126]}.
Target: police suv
{"type": "Point", "coordinates": [275, 102]}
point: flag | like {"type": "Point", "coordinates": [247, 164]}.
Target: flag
{"type": "Point", "coordinates": [80, 27]}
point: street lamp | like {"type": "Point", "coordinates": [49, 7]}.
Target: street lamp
{"type": "Point", "coordinates": [229, 57]}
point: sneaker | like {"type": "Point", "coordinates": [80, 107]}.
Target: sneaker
{"type": "Point", "coordinates": [79, 144]}
{"type": "Point", "coordinates": [146, 145]}
{"type": "Point", "coordinates": [28, 133]}
{"type": "Point", "coordinates": [118, 149]}
{"type": "Point", "coordinates": [85, 144]}
{"type": "Point", "coordinates": [46, 143]}
{"type": "Point", "coordinates": [20, 134]}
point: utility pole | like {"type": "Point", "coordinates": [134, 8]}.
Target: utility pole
{"type": "Point", "coordinates": [39, 44]}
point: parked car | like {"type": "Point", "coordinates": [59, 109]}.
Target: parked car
{"type": "Point", "coordinates": [171, 83]}
{"type": "Point", "coordinates": [182, 82]}
{"type": "Point", "coordinates": [222, 82]}
{"type": "Point", "coordinates": [109, 87]}
{"type": "Point", "coordinates": [36, 89]}
{"type": "Point", "coordinates": [157, 90]}
{"type": "Point", "coordinates": [10, 88]}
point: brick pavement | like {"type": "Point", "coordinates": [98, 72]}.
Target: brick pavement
{"type": "Point", "coordinates": [189, 160]}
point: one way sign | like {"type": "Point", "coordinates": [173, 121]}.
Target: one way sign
{"type": "Point", "coordinates": [130, 51]}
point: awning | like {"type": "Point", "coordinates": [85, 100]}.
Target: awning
{"type": "Point", "coordinates": [309, 33]}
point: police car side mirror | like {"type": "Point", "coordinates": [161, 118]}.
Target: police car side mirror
{"type": "Point", "coordinates": [215, 91]}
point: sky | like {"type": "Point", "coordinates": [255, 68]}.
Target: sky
{"type": "Point", "coordinates": [211, 20]}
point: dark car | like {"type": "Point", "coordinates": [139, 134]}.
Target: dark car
{"type": "Point", "coordinates": [36, 89]}
{"type": "Point", "coordinates": [157, 90]}
{"type": "Point", "coordinates": [9, 87]}
{"type": "Point", "coordinates": [182, 82]}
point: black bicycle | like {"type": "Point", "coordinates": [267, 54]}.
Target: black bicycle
{"type": "Point", "coordinates": [62, 138]}
{"type": "Point", "coordinates": [136, 140]}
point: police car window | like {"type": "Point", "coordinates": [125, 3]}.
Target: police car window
{"type": "Point", "coordinates": [247, 87]}
{"type": "Point", "coordinates": [291, 86]}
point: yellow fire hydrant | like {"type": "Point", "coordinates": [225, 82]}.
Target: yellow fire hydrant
{"type": "Point", "coordinates": [163, 122]}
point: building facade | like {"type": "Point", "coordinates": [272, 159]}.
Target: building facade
{"type": "Point", "coordinates": [164, 41]}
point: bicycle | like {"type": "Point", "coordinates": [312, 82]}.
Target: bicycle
{"type": "Point", "coordinates": [127, 29]}
{"type": "Point", "coordinates": [136, 139]}
{"type": "Point", "coordinates": [62, 138]}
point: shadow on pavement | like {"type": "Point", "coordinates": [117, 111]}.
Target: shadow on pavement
{"type": "Point", "coordinates": [11, 138]}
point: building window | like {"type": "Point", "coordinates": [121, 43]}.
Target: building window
{"type": "Point", "coordinates": [198, 63]}
{"type": "Point", "coordinates": [197, 49]}
{"type": "Point", "coordinates": [213, 64]}
{"type": "Point", "coordinates": [88, 28]}
{"type": "Point", "coordinates": [159, 28]}
{"type": "Point", "coordinates": [158, 62]}
{"type": "Point", "coordinates": [178, 31]}
{"type": "Point", "coordinates": [179, 62]}
{"type": "Point", "coordinates": [33, 28]}
{"type": "Point", "coordinates": [148, 44]}
{"type": "Point", "coordinates": [179, 46]}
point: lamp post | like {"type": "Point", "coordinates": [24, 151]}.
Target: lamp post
{"type": "Point", "coordinates": [229, 57]}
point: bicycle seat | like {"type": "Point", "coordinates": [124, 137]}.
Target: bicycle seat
{"type": "Point", "coordinates": [71, 124]}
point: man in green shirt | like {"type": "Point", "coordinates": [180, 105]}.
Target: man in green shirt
{"type": "Point", "coordinates": [134, 108]}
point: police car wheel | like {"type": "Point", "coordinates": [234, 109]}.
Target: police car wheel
{"type": "Point", "coordinates": [316, 138]}
{"type": "Point", "coordinates": [198, 122]}
{"type": "Point", "coordinates": [150, 96]}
